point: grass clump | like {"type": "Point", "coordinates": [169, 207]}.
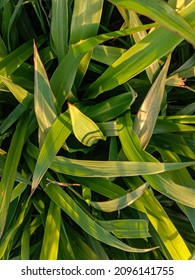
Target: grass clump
{"type": "Point", "coordinates": [97, 130]}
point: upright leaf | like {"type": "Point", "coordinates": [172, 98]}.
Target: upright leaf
{"type": "Point", "coordinates": [49, 249]}
{"type": "Point", "coordinates": [10, 168]}
{"type": "Point", "coordinates": [147, 115]}
{"type": "Point", "coordinates": [60, 26]}
{"type": "Point", "coordinates": [44, 100]}
{"type": "Point", "coordinates": [54, 140]}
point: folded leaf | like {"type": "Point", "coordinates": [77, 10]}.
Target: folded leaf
{"type": "Point", "coordinates": [85, 130]}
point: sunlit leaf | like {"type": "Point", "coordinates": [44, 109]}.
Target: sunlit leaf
{"type": "Point", "coordinates": [85, 130]}
{"type": "Point", "coordinates": [121, 202]}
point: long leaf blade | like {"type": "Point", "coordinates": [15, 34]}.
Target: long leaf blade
{"type": "Point", "coordinates": [44, 100]}
{"type": "Point", "coordinates": [92, 227]}
{"type": "Point", "coordinates": [121, 202]}
{"type": "Point", "coordinates": [161, 12]}
{"type": "Point", "coordinates": [9, 172]}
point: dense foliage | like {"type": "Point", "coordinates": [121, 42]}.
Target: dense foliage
{"type": "Point", "coordinates": [97, 155]}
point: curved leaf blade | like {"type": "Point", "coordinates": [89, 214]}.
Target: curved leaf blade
{"type": "Point", "coordinates": [121, 202]}
{"type": "Point", "coordinates": [88, 224]}
{"type": "Point", "coordinates": [163, 13]}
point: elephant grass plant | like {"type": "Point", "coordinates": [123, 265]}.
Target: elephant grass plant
{"type": "Point", "coordinates": [97, 155]}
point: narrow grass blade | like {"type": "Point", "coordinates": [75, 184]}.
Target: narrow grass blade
{"type": "Point", "coordinates": [84, 24]}
{"type": "Point", "coordinates": [25, 242]}
{"type": "Point", "coordinates": [57, 135]}
{"type": "Point", "coordinates": [147, 115]}
{"type": "Point", "coordinates": [127, 228]}
{"type": "Point", "coordinates": [9, 172]}
{"type": "Point", "coordinates": [50, 246]}
{"type": "Point", "coordinates": [19, 218]}
{"type": "Point", "coordinates": [132, 19]}
{"type": "Point", "coordinates": [85, 130]}
{"type": "Point", "coordinates": [107, 54]}
{"type": "Point", "coordinates": [60, 27]}
{"type": "Point", "coordinates": [88, 224]}
{"type": "Point", "coordinates": [171, 243]}
{"type": "Point", "coordinates": [161, 12]}
{"type": "Point", "coordinates": [161, 182]}
{"type": "Point", "coordinates": [44, 100]}
{"type": "Point", "coordinates": [121, 202]}
{"type": "Point", "coordinates": [138, 58]}
{"type": "Point", "coordinates": [22, 95]}
{"type": "Point", "coordinates": [182, 177]}
{"type": "Point", "coordinates": [85, 19]}
{"type": "Point", "coordinates": [61, 84]}
{"type": "Point", "coordinates": [110, 108]}
{"type": "Point", "coordinates": [15, 59]}
{"type": "Point", "coordinates": [92, 168]}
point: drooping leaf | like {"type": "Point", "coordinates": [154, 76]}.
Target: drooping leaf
{"type": "Point", "coordinates": [88, 224]}
{"type": "Point", "coordinates": [163, 13]}
{"type": "Point", "coordinates": [161, 182]}
{"type": "Point", "coordinates": [121, 202]}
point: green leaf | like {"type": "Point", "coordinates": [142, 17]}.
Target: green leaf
{"type": "Point", "coordinates": [88, 224]}
{"type": "Point", "coordinates": [15, 59]}
{"type": "Point", "coordinates": [138, 57]}
{"type": "Point", "coordinates": [172, 244]}
{"type": "Point", "coordinates": [147, 115]}
{"type": "Point", "coordinates": [161, 182]}
{"type": "Point", "coordinates": [127, 228]}
{"type": "Point", "coordinates": [22, 95]}
{"type": "Point", "coordinates": [57, 135]}
{"type": "Point", "coordinates": [3, 2]}
{"type": "Point", "coordinates": [59, 27]}
{"type": "Point", "coordinates": [62, 84]}
{"type": "Point", "coordinates": [50, 246]}
{"type": "Point", "coordinates": [110, 108]}
{"type": "Point", "coordinates": [85, 130]}
{"type": "Point", "coordinates": [44, 100]}
{"type": "Point", "coordinates": [92, 168]}
{"type": "Point", "coordinates": [10, 169]}
{"type": "Point", "coordinates": [121, 202]}
{"type": "Point", "coordinates": [161, 12]}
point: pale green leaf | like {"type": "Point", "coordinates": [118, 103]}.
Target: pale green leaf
{"type": "Point", "coordinates": [121, 202]}
{"type": "Point", "coordinates": [85, 130]}
{"type": "Point", "coordinates": [92, 168]}
{"type": "Point", "coordinates": [44, 100]}
{"type": "Point", "coordinates": [50, 245]}
{"type": "Point", "coordinates": [146, 117]}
